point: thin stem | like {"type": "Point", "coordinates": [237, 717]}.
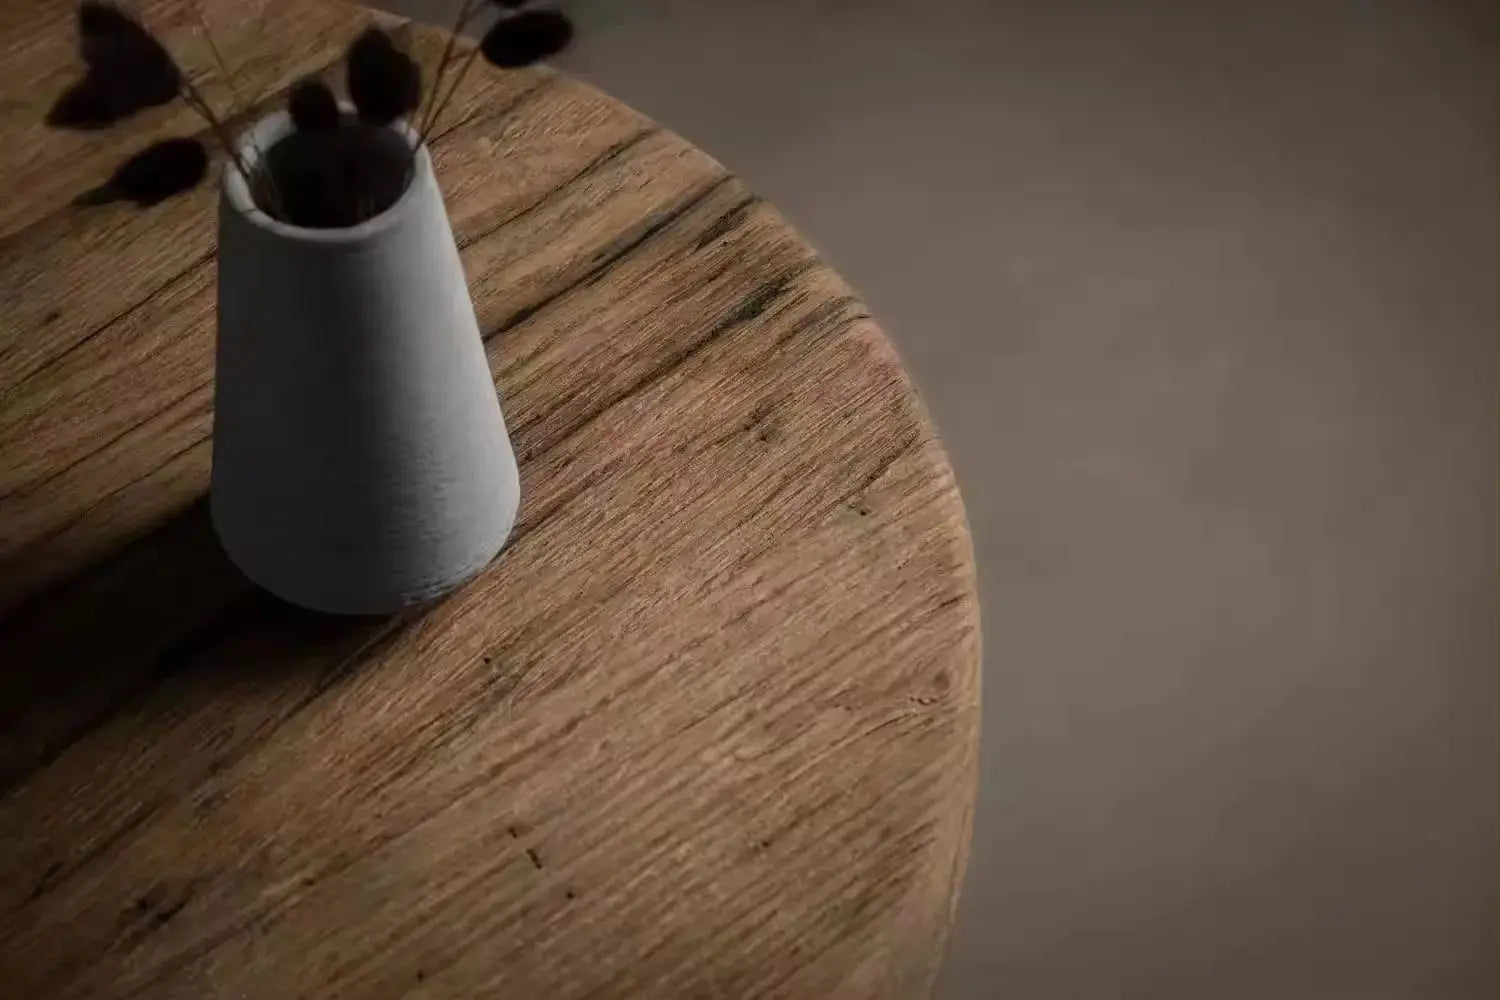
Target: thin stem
{"type": "Point", "coordinates": [239, 102]}
{"type": "Point", "coordinates": [442, 106]}
{"type": "Point", "coordinates": [260, 31]}
{"type": "Point", "coordinates": [213, 47]}
{"type": "Point", "coordinates": [466, 11]}
{"type": "Point", "coordinates": [195, 100]}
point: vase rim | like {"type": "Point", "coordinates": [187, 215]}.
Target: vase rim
{"type": "Point", "coordinates": [274, 127]}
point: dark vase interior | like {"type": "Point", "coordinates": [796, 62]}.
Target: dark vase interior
{"type": "Point", "coordinates": [336, 178]}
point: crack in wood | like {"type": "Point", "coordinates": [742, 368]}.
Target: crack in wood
{"type": "Point", "coordinates": [727, 222]}
{"type": "Point", "coordinates": [593, 166]}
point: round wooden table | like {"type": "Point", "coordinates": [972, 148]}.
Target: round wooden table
{"type": "Point", "coordinates": [707, 728]}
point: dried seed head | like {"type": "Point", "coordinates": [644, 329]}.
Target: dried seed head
{"type": "Point", "coordinates": [313, 106]}
{"type": "Point", "coordinates": [384, 82]}
{"type": "Point", "coordinates": [102, 20]}
{"type": "Point", "coordinates": [128, 71]}
{"type": "Point", "coordinates": [153, 175]}
{"type": "Point", "coordinates": [526, 38]}
{"type": "Point", "coordinates": [118, 46]}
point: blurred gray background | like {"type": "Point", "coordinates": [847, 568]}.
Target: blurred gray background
{"type": "Point", "coordinates": [1202, 296]}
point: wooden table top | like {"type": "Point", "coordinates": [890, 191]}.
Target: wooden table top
{"type": "Point", "coordinates": [707, 728]}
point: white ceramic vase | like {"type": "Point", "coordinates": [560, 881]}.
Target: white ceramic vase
{"type": "Point", "coordinates": [361, 462]}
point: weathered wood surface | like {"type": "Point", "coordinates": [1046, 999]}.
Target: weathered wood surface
{"type": "Point", "coordinates": [706, 729]}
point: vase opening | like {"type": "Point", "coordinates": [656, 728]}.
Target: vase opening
{"type": "Point", "coordinates": [334, 179]}
{"type": "Point", "coordinates": [337, 181]}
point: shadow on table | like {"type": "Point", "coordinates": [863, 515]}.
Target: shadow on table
{"type": "Point", "coordinates": [166, 603]}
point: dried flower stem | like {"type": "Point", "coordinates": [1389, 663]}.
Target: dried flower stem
{"type": "Point", "coordinates": [260, 30]}
{"type": "Point", "coordinates": [466, 13]}
{"type": "Point", "coordinates": [213, 47]}
{"type": "Point", "coordinates": [194, 99]}
{"type": "Point", "coordinates": [200, 104]}
{"type": "Point", "coordinates": [442, 105]}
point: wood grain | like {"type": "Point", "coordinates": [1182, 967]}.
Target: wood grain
{"type": "Point", "coordinates": [706, 729]}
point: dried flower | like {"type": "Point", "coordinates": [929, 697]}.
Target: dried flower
{"type": "Point", "coordinates": [128, 71]}
{"type": "Point", "coordinates": [313, 107]}
{"type": "Point", "coordinates": [384, 82]}
{"type": "Point", "coordinates": [153, 175]}
{"type": "Point", "coordinates": [334, 170]}
{"type": "Point", "coordinates": [526, 38]}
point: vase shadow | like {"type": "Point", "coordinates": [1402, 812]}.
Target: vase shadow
{"type": "Point", "coordinates": [108, 640]}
